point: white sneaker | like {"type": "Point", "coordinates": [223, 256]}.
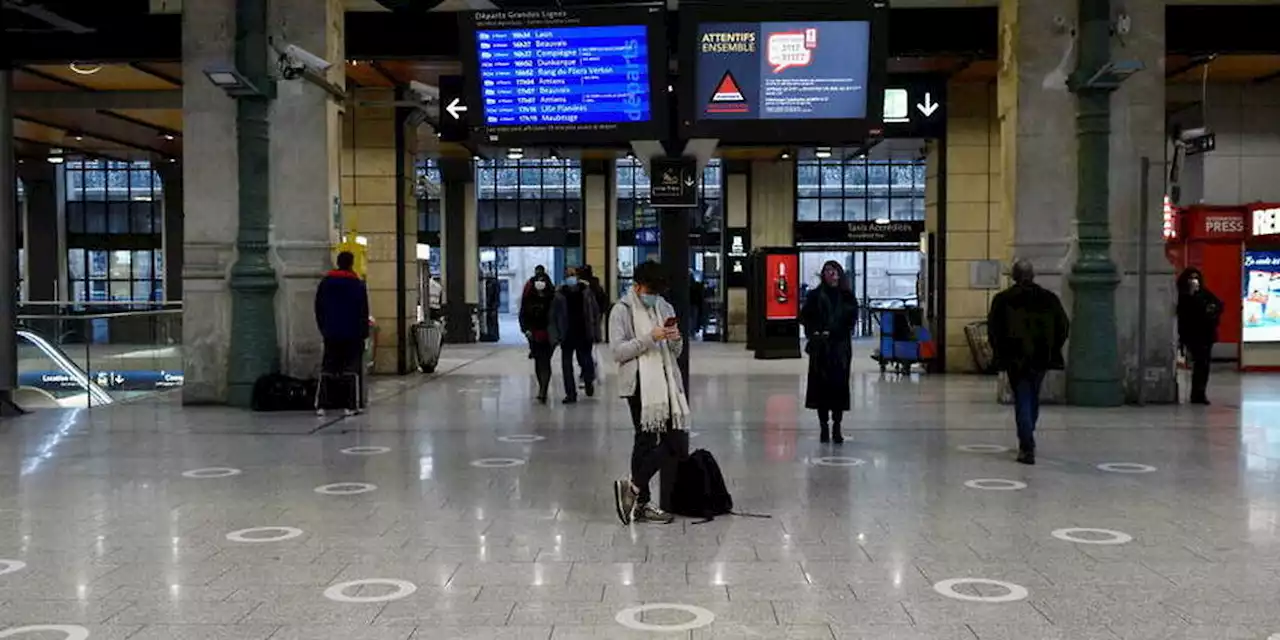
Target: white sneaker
{"type": "Point", "coordinates": [350, 412]}
{"type": "Point", "coordinates": [319, 413]}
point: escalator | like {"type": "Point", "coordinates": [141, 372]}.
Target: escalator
{"type": "Point", "coordinates": [49, 379]}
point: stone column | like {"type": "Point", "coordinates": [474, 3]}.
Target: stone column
{"type": "Point", "coordinates": [171, 179]}
{"type": "Point", "coordinates": [1137, 131]}
{"type": "Point", "coordinates": [210, 193]}
{"type": "Point", "coordinates": [597, 187]}
{"type": "Point", "coordinates": [460, 251]}
{"type": "Point", "coordinates": [305, 184]}
{"type": "Point", "coordinates": [773, 203]}
{"type": "Point", "coordinates": [44, 273]}
{"type": "Point", "coordinates": [737, 209]}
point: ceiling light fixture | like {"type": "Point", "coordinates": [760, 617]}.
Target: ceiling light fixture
{"type": "Point", "coordinates": [84, 69]}
{"type": "Point", "coordinates": [55, 156]}
{"type": "Point", "coordinates": [515, 153]}
{"type": "Point", "coordinates": [528, 228]}
{"type": "Point", "coordinates": [822, 152]}
{"type": "Point", "coordinates": [786, 155]}
{"type": "Point", "coordinates": [78, 137]}
{"type": "Point", "coordinates": [168, 136]}
{"type": "Point", "coordinates": [882, 221]}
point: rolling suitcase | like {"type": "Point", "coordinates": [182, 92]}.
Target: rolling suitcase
{"type": "Point", "coordinates": [427, 338]}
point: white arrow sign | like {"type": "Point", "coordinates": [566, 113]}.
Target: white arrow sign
{"type": "Point", "coordinates": [456, 108]}
{"type": "Point", "coordinates": [928, 107]}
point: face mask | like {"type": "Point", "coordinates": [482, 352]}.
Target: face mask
{"type": "Point", "coordinates": [649, 299]}
{"type": "Point", "coordinates": [539, 285]}
{"type": "Point", "coordinates": [571, 281]}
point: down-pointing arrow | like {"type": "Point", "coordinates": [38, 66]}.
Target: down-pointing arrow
{"type": "Point", "coordinates": [456, 108]}
{"type": "Point", "coordinates": [928, 107]}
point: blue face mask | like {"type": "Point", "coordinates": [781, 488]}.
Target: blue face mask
{"type": "Point", "coordinates": [649, 299]}
{"type": "Point", "coordinates": [571, 281]}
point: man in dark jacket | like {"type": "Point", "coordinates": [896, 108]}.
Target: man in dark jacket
{"type": "Point", "coordinates": [342, 313]}
{"type": "Point", "coordinates": [577, 327]}
{"type": "Point", "coordinates": [1198, 314]}
{"type": "Point", "coordinates": [1027, 328]}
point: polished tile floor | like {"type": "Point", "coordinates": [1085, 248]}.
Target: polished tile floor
{"type": "Point", "coordinates": [103, 530]}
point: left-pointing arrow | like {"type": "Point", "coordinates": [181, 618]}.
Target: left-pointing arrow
{"type": "Point", "coordinates": [456, 109]}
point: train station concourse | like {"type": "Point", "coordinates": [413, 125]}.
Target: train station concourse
{"type": "Point", "coordinates": [368, 319]}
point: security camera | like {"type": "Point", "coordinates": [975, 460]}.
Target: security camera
{"type": "Point", "coordinates": [1187, 135]}
{"type": "Point", "coordinates": [296, 62]}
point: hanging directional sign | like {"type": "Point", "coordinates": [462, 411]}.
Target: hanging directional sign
{"type": "Point", "coordinates": [914, 106]}
{"type": "Point", "coordinates": [453, 110]}
{"type": "Point", "coordinates": [673, 182]}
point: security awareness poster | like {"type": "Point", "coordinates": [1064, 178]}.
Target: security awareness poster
{"type": "Point", "coordinates": [1261, 297]}
{"type": "Point", "coordinates": [782, 70]}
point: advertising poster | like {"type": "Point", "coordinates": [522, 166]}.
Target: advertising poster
{"type": "Point", "coordinates": [782, 70]}
{"type": "Point", "coordinates": [782, 286]}
{"type": "Point", "coordinates": [1261, 309]}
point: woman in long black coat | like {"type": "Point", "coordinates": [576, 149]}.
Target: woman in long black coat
{"type": "Point", "coordinates": [829, 314]}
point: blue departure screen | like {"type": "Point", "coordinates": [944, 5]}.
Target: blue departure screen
{"type": "Point", "coordinates": [564, 77]}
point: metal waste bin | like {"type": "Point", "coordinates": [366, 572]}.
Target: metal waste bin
{"type": "Point", "coordinates": [427, 338]}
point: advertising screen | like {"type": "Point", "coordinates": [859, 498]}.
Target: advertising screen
{"type": "Point", "coordinates": [782, 286]}
{"type": "Point", "coordinates": [782, 70]}
{"type": "Point", "coordinates": [1261, 297]}
{"type": "Point", "coordinates": [559, 76]}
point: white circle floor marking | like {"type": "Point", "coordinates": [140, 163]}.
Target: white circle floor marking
{"type": "Point", "coordinates": [286, 533]}
{"type": "Point", "coordinates": [995, 484]}
{"type": "Point", "coordinates": [403, 589]}
{"type": "Point", "coordinates": [366, 451]}
{"type": "Point", "coordinates": [630, 617]}
{"type": "Point", "coordinates": [694, 434]}
{"type": "Point", "coordinates": [11, 566]}
{"type": "Point", "coordinates": [211, 472]}
{"type": "Point", "coordinates": [982, 448]}
{"type": "Point", "coordinates": [521, 438]}
{"type": "Point", "coordinates": [70, 631]}
{"type": "Point", "coordinates": [838, 461]}
{"type": "Point", "coordinates": [1126, 467]}
{"type": "Point", "coordinates": [1071, 534]}
{"type": "Point", "coordinates": [496, 463]}
{"type": "Point", "coordinates": [948, 588]}
{"type": "Point", "coordinates": [346, 488]}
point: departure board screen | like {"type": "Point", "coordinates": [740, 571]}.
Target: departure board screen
{"type": "Point", "coordinates": [542, 74]}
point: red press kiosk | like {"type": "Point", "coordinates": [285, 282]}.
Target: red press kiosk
{"type": "Point", "coordinates": [1237, 248]}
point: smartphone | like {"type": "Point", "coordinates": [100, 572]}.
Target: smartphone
{"type": "Point", "coordinates": [671, 322]}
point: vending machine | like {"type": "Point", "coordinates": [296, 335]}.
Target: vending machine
{"type": "Point", "coordinates": [774, 303]}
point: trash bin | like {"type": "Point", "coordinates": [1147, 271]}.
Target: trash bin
{"type": "Point", "coordinates": [427, 338]}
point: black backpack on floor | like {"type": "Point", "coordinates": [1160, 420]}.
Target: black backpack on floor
{"type": "Point", "coordinates": [700, 491]}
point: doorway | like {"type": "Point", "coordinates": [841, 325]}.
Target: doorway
{"type": "Point", "coordinates": [882, 277]}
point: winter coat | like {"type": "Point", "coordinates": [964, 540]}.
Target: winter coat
{"type": "Point", "coordinates": [535, 315]}
{"type": "Point", "coordinates": [575, 306]}
{"type": "Point", "coordinates": [342, 307]}
{"type": "Point", "coordinates": [829, 315]}
{"type": "Point", "coordinates": [1027, 328]}
{"type": "Point", "coordinates": [627, 347]}
{"type": "Point", "coordinates": [1198, 313]}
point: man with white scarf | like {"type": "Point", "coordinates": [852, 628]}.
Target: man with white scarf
{"type": "Point", "coordinates": [646, 342]}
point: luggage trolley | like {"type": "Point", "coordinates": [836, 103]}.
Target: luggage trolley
{"type": "Point", "coordinates": [904, 340]}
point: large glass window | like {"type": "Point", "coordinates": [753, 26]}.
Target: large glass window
{"type": "Point", "coordinates": [859, 189]}
{"type": "Point", "coordinates": [114, 231]}
{"type": "Point", "coordinates": [638, 221]}
{"type": "Point", "coordinates": [529, 195]}
{"type": "Point", "coordinates": [427, 188]}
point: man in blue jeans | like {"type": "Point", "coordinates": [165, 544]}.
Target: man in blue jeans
{"type": "Point", "coordinates": [1027, 329]}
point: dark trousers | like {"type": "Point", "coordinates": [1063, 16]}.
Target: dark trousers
{"type": "Point", "coordinates": [581, 351]}
{"type": "Point", "coordinates": [1200, 355]}
{"type": "Point", "coordinates": [651, 451]}
{"type": "Point", "coordinates": [541, 354]}
{"type": "Point", "coordinates": [341, 357]}
{"type": "Point", "coordinates": [1026, 405]}
{"type": "Point", "coordinates": [825, 417]}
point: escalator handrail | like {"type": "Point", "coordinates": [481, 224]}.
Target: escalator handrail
{"type": "Point", "coordinates": [68, 366]}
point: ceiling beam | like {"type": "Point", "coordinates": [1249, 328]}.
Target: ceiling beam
{"type": "Point", "coordinates": [1195, 62]}
{"type": "Point", "coordinates": [168, 99]}
{"type": "Point", "coordinates": [67, 129]}
{"type": "Point", "coordinates": [1265, 78]}
{"type": "Point", "coordinates": [387, 75]}
{"type": "Point", "coordinates": [140, 123]}
{"type": "Point", "coordinates": [70, 150]}
{"type": "Point", "coordinates": [156, 73]}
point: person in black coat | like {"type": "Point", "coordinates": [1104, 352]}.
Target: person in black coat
{"type": "Point", "coordinates": [1198, 314]}
{"type": "Point", "coordinates": [535, 323]}
{"type": "Point", "coordinates": [1027, 328]}
{"type": "Point", "coordinates": [828, 315]}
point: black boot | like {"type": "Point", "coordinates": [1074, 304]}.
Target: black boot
{"type": "Point", "coordinates": [824, 436]}
{"type": "Point", "coordinates": [836, 436]}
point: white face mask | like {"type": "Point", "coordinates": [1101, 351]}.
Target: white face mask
{"type": "Point", "coordinates": [539, 284]}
